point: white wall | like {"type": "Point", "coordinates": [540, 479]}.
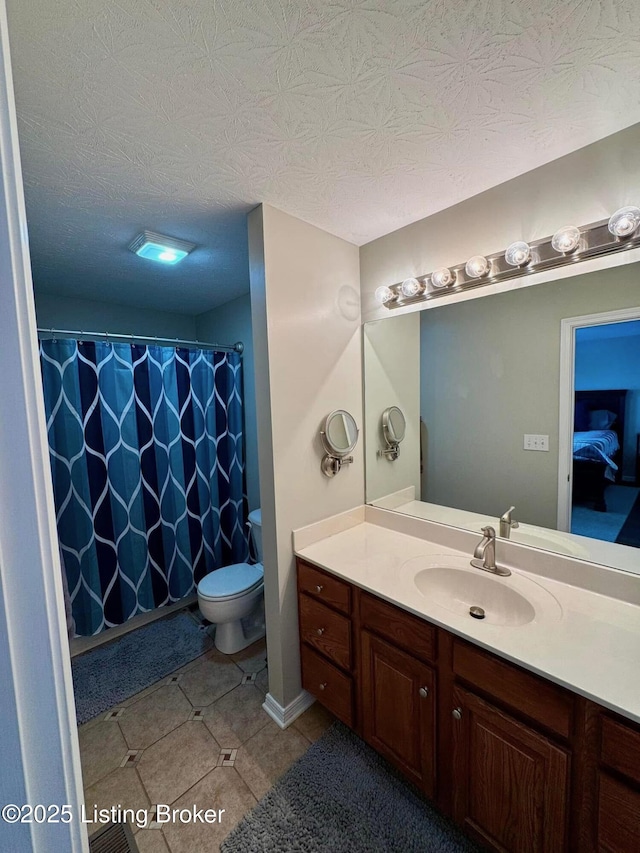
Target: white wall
{"type": "Point", "coordinates": [63, 312]}
{"type": "Point", "coordinates": [306, 325]}
{"type": "Point", "coordinates": [614, 363]}
{"type": "Point", "coordinates": [392, 378]}
{"type": "Point", "coordinates": [581, 188]}
{"type": "Point", "coordinates": [228, 324]}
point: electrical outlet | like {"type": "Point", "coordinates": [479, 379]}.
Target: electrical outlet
{"type": "Point", "coordinates": [536, 442]}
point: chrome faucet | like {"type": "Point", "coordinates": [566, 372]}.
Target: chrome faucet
{"type": "Point", "coordinates": [507, 523]}
{"type": "Point", "coordinates": [484, 556]}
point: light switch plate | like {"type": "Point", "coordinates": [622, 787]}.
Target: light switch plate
{"type": "Point", "coordinates": [536, 442]}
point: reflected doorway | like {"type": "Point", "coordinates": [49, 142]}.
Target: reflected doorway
{"type": "Point", "coordinates": [602, 500]}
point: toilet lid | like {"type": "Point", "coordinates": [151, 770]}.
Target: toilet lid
{"type": "Point", "coordinates": [231, 580]}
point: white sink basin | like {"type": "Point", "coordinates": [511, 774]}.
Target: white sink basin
{"type": "Point", "coordinates": [548, 540]}
{"type": "Point", "coordinates": [446, 581]}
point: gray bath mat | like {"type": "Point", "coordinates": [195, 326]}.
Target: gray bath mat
{"type": "Point", "coordinates": [343, 797]}
{"type": "Point", "coordinates": [109, 674]}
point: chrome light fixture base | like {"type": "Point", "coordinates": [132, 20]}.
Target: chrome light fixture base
{"type": "Point", "coordinates": [593, 241]}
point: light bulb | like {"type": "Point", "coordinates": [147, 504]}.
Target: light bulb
{"type": "Point", "coordinates": [384, 294]}
{"type": "Point", "coordinates": [566, 239]}
{"type": "Point", "coordinates": [411, 287]}
{"type": "Point", "coordinates": [477, 266]}
{"type": "Point", "coordinates": [518, 254]}
{"type": "Point", "coordinates": [624, 221]}
{"type": "Point", "coordinates": [443, 277]}
{"type": "Point", "coordinates": [167, 255]}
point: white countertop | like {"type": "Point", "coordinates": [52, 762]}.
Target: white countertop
{"type": "Point", "coordinates": [590, 644]}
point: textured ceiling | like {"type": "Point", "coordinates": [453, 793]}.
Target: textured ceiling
{"type": "Point", "coordinates": [359, 116]}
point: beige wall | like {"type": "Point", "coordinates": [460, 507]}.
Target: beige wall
{"type": "Point", "coordinates": [490, 374]}
{"type": "Point", "coordinates": [392, 378]}
{"type": "Point", "coordinates": [306, 326]}
{"type": "Point", "coordinates": [582, 187]}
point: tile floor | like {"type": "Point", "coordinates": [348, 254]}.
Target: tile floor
{"type": "Point", "coordinates": [197, 737]}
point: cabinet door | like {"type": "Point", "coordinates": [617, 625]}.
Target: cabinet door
{"type": "Point", "coordinates": [398, 697]}
{"type": "Point", "coordinates": [618, 816]}
{"type": "Point", "coordinates": [510, 782]}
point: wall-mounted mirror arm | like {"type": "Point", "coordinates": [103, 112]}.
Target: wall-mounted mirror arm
{"type": "Point", "coordinates": [332, 464]}
{"type": "Point", "coordinates": [391, 453]}
{"type": "Point", "coordinates": [339, 436]}
{"type": "Point", "coordinates": [393, 431]}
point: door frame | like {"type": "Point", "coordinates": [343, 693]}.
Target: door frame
{"type": "Point", "coordinates": [568, 328]}
{"type": "Point", "coordinates": [38, 734]}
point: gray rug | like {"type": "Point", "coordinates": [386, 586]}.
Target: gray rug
{"type": "Point", "coordinates": [343, 797]}
{"type": "Point", "coordinates": [109, 674]}
{"type": "Point", "coordinates": [605, 525]}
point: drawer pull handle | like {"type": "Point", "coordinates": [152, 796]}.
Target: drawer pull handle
{"type": "Point", "coordinates": [320, 632]}
{"type": "Point", "coordinates": [457, 713]}
{"type": "Point", "coordinates": [323, 685]}
{"type": "Point", "coordinates": [424, 692]}
{"type": "Point", "coordinates": [319, 587]}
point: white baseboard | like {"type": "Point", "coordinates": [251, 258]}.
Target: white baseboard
{"type": "Point", "coordinates": [285, 716]}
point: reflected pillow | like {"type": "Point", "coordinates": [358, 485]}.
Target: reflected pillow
{"type": "Point", "coordinates": [601, 419]}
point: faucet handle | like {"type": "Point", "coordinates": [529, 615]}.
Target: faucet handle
{"type": "Point", "coordinates": [489, 532]}
{"type": "Point", "coordinates": [506, 516]}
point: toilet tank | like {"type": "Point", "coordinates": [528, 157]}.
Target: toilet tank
{"type": "Point", "coordinates": [255, 520]}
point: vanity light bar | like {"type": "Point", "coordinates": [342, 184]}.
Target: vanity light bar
{"type": "Point", "coordinates": [568, 245]}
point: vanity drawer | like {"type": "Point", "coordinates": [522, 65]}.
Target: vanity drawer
{"type": "Point", "coordinates": [334, 592]}
{"type": "Point", "coordinates": [621, 748]}
{"type": "Point", "coordinates": [402, 629]}
{"type": "Point", "coordinates": [325, 630]}
{"type": "Point", "coordinates": [332, 688]}
{"type": "Point", "coordinates": [548, 704]}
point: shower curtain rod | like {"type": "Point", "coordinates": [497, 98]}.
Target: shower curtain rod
{"type": "Point", "coordinates": [174, 342]}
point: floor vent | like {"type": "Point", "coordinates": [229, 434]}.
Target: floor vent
{"type": "Point", "coordinates": [115, 838]}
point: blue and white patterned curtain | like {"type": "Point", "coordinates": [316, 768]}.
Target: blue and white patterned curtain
{"type": "Point", "coordinates": [147, 455]}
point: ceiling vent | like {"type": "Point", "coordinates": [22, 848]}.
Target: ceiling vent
{"type": "Point", "coordinates": [157, 247]}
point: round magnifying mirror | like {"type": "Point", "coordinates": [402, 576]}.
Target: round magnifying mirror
{"type": "Point", "coordinates": [340, 433]}
{"type": "Point", "coordinates": [393, 425]}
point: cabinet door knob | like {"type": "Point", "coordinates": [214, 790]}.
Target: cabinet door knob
{"type": "Point", "coordinates": [322, 686]}
{"type": "Point", "coordinates": [319, 587]}
{"type": "Point", "coordinates": [424, 692]}
{"type": "Point", "coordinates": [320, 632]}
{"type": "Point", "coordinates": [457, 713]}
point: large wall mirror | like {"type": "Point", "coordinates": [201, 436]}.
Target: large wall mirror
{"type": "Point", "coordinates": [480, 382]}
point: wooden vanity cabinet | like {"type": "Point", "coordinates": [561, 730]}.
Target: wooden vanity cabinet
{"type": "Point", "coordinates": [511, 760]}
{"type": "Point", "coordinates": [327, 639]}
{"type": "Point", "coordinates": [510, 782]}
{"type": "Point", "coordinates": [398, 687]}
{"type": "Point", "coordinates": [398, 709]}
{"type": "Point", "coordinates": [618, 784]}
{"type": "Point", "coordinates": [523, 765]}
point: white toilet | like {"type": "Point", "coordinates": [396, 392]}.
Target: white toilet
{"type": "Point", "coordinates": [235, 594]}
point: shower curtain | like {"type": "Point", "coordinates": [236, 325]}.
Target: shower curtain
{"type": "Point", "coordinates": [147, 456]}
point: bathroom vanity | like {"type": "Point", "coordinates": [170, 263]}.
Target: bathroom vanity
{"type": "Point", "coordinates": [478, 713]}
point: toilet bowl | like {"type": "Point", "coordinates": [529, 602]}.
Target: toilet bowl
{"type": "Point", "coordinates": [232, 598]}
